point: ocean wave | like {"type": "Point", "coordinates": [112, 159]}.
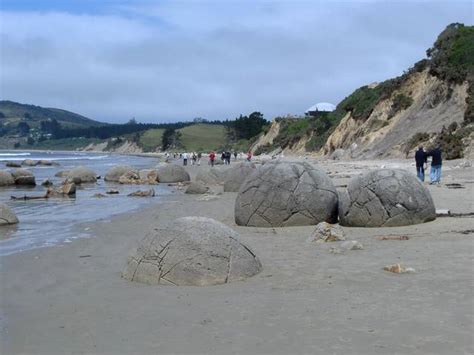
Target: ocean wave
{"type": "Point", "coordinates": [14, 154]}
{"type": "Point", "coordinates": [55, 158]}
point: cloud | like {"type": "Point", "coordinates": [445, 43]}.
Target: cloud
{"type": "Point", "coordinates": [166, 61]}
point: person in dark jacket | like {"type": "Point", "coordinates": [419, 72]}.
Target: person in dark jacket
{"type": "Point", "coordinates": [420, 159]}
{"type": "Point", "coordinates": [436, 162]}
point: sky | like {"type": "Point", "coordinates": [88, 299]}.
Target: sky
{"type": "Point", "coordinates": [167, 60]}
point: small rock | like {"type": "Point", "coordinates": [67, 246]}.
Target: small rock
{"type": "Point", "coordinates": [346, 246]}
{"type": "Point", "coordinates": [99, 195]}
{"type": "Point", "coordinates": [399, 269]}
{"type": "Point", "coordinates": [47, 182]}
{"type": "Point", "coordinates": [112, 192]}
{"type": "Point", "coordinates": [326, 232]}
{"type": "Point", "coordinates": [12, 164]}
{"type": "Point", "coordinates": [140, 193]}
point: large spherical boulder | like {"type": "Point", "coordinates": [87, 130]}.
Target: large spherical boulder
{"type": "Point", "coordinates": [81, 174]}
{"type": "Point", "coordinates": [235, 176]}
{"type": "Point", "coordinates": [7, 216]}
{"type": "Point", "coordinates": [286, 194]}
{"type": "Point", "coordinates": [116, 172]}
{"type": "Point", "coordinates": [195, 251]}
{"type": "Point", "coordinates": [23, 177]}
{"type": "Point", "coordinates": [6, 178]}
{"type": "Point", "coordinates": [211, 176]}
{"type": "Point", "coordinates": [171, 173]}
{"type": "Point", "coordinates": [385, 198]}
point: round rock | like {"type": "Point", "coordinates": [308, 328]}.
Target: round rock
{"type": "Point", "coordinates": [6, 178]}
{"type": "Point", "coordinates": [197, 188]}
{"type": "Point", "coordinates": [171, 173]}
{"type": "Point", "coordinates": [211, 176]}
{"type": "Point", "coordinates": [195, 251]}
{"type": "Point", "coordinates": [386, 198]}
{"type": "Point", "coordinates": [7, 216]}
{"type": "Point", "coordinates": [23, 177]}
{"type": "Point", "coordinates": [116, 172]}
{"type": "Point", "coordinates": [81, 174]}
{"type": "Point", "coordinates": [286, 194]}
{"type": "Point", "coordinates": [235, 176]}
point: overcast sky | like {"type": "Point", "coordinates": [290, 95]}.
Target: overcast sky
{"type": "Point", "coordinates": [163, 61]}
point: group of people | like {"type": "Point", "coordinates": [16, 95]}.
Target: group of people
{"type": "Point", "coordinates": [194, 157]}
{"type": "Point", "coordinates": [421, 159]}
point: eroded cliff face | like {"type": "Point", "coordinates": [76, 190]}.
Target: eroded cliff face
{"type": "Point", "coordinates": [268, 138]}
{"type": "Point", "coordinates": [125, 148]}
{"type": "Point", "coordinates": [435, 104]}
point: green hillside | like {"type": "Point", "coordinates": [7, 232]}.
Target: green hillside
{"type": "Point", "coordinates": [203, 137]}
{"type": "Point", "coordinates": [11, 113]}
{"type": "Point", "coordinates": [151, 139]}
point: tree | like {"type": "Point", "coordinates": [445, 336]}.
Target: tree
{"type": "Point", "coordinates": [23, 128]}
{"type": "Point", "coordinates": [168, 138]}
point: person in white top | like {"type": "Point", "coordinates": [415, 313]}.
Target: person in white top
{"type": "Point", "coordinates": [185, 158]}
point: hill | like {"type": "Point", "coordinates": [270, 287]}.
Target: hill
{"type": "Point", "coordinates": [431, 103]}
{"type": "Point", "coordinates": [11, 113]}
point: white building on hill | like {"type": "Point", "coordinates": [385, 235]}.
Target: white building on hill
{"type": "Point", "coordinates": [320, 107]}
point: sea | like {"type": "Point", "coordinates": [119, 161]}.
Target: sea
{"type": "Point", "coordinates": [51, 222]}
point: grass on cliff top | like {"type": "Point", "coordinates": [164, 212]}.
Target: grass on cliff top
{"type": "Point", "coordinates": [151, 139]}
{"type": "Point", "coordinates": [203, 137]}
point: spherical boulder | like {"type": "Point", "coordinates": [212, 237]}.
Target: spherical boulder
{"type": "Point", "coordinates": [197, 188]}
{"type": "Point", "coordinates": [23, 177]}
{"type": "Point", "coordinates": [81, 174]}
{"type": "Point", "coordinates": [194, 251]}
{"type": "Point", "coordinates": [283, 194]}
{"type": "Point", "coordinates": [7, 216]}
{"type": "Point", "coordinates": [6, 178]}
{"type": "Point", "coordinates": [385, 198]}
{"type": "Point", "coordinates": [211, 176]}
{"type": "Point", "coordinates": [235, 176]}
{"type": "Point", "coordinates": [116, 172]}
{"type": "Point", "coordinates": [171, 173]}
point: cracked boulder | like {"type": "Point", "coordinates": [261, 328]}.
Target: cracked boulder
{"type": "Point", "coordinates": [235, 176]}
{"type": "Point", "coordinates": [117, 171]}
{"type": "Point", "coordinates": [171, 173]}
{"type": "Point", "coordinates": [283, 194]}
{"type": "Point", "coordinates": [385, 198]}
{"type": "Point", "coordinates": [191, 251]}
{"type": "Point", "coordinates": [211, 176]}
{"type": "Point", "coordinates": [7, 216]}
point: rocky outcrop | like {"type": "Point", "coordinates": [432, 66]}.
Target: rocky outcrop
{"type": "Point", "coordinates": [81, 175]}
{"type": "Point", "coordinates": [6, 178]}
{"type": "Point", "coordinates": [286, 194]}
{"type": "Point", "coordinates": [385, 198]}
{"type": "Point", "coordinates": [140, 193]}
{"type": "Point", "coordinates": [235, 176]}
{"type": "Point", "coordinates": [23, 177]}
{"type": "Point", "coordinates": [171, 173]}
{"type": "Point", "coordinates": [67, 189]}
{"type": "Point", "coordinates": [195, 251]}
{"type": "Point", "coordinates": [7, 216]}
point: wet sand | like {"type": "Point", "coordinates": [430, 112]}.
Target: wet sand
{"type": "Point", "coordinates": [71, 299]}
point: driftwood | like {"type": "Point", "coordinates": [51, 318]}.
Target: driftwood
{"type": "Point", "coordinates": [393, 237]}
{"type": "Point", "coordinates": [25, 197]}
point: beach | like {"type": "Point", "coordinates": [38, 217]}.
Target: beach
{"type": "Point", "coordinates": [71, 299]}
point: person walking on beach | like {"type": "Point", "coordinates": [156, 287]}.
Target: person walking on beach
{"type": "Point", "coordinates": [436, 162]}
{"type": "Point", "coordinates": [199, 156]}
{"type": "Point", "coordinates": [193, 159]}
{"type": "Point", "coordinates": [249, 156]}
{"type": "Point", "coordinates": [227, 158]}
{"type": "Point", "coordinates": [185, 158]}
{"type": "Point", "coordinates": [420, 159]}
{"type": "Point", "coordinates": [212, 157]}
{"type": "Point", "coordinates": [235, 155]}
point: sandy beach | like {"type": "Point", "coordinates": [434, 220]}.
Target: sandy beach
{"type": "Point", "coordinates": [71, 299]}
